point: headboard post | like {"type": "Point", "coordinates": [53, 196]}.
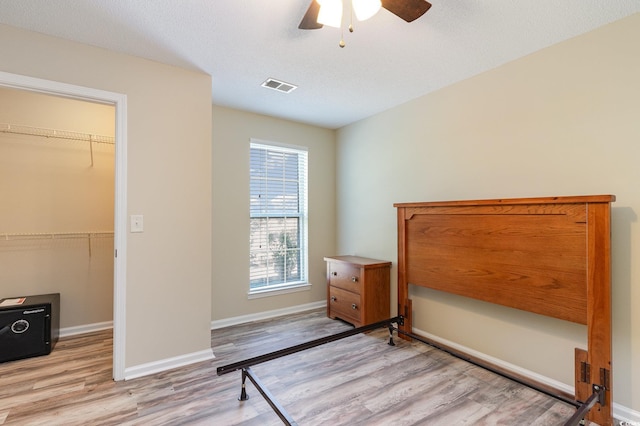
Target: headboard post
{"type": "Point", "coordinates": [404, 303]}
{"type": "Point", "coordinates": [599, 350]}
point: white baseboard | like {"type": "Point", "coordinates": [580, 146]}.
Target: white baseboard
{"type": "Point", "coordinates": [167, 364]}
{"type": "Point", "coordinates": [627, 416]}
{"type": "Point", "coordinates": [86, 328]}
{"type": "Point", "coordinates": [498, 362]}
{"type": "Point", "coordinates": [620, 412]}
{"type": "Point", "coordinates": [144, 369]}
{"type": "Point", "coordinates": [267, 314]}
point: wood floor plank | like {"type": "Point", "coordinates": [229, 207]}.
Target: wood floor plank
{"type": "Point", "coordinates": [359, 380]}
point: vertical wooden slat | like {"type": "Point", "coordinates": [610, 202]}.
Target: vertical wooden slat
{"type": "Point", "coordinates": [404, 307]}
{"type": "Point", "coordinates": [599, 305]}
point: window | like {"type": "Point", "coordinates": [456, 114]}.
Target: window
{"type": "Point", "coordinates": [278, 211]}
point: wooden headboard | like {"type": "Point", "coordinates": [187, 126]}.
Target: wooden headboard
{"type": "Point", "coordinates": [550, 256]}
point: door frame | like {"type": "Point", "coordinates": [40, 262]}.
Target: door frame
{"type": "Point", "coordinates": [118, 100]}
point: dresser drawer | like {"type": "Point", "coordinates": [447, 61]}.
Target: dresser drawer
{"type": "Point", "coordinates": [344, 276]}
{"type": "Point", "coordinates": [344, 304]}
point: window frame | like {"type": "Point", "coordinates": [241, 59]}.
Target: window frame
{"type": "Point", "coordinates": [303, 212]}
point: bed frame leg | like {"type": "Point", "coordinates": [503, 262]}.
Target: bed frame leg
{"type": "Point", "coordinates": [243, 394]}
{"type": "Point", "coordinates": [391, 342]}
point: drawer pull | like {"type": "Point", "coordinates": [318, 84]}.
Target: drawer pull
{"type": "Point", "coordinates": [354, 279]}
{"type": "Point", "coordinates": [354, 306]}
{"type": "Point", "coordinates": [335, 274]}
{"type": "Point", "coordinates": [333, 298]}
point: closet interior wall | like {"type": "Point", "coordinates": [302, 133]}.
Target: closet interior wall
{"type": "Point", "coordinates": [57, 204]}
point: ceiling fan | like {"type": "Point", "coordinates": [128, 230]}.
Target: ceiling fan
{"type": "Point", "coordinates": [409, 10]}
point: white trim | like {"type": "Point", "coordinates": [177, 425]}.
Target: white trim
{"type": "Point", "coordinates": [498, 362]}
{"type": "Point", "coordinates": [167, 364]}
{"type": "Point", "coordinates": [265, 144]}
{"type": "Point", "coordinates": [120, 242]}
{"type": "Point", "coordinates": [267, 314]}
{"type": "Point", "coordinates": [120, 237]}
{"type": "Point", "coordinates": [271, 291]}
{"type": "Point", "coordinates": [56, 88]}
{"type": "Point", "coordinates": [625, 415]}
{"type": "Point", "coordinates": [86, 328]}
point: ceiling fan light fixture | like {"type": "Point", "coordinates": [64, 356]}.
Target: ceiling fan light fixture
{"type": "Point", "coordinates": [365, 9]}
{"type": "Point", "coordinates": [330, 13]}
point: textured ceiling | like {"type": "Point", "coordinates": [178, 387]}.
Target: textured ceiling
{"type": "Point", "coordinates": [386, 62]}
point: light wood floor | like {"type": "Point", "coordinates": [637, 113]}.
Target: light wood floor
{"type": "Point", "coordinates": [359, 380]}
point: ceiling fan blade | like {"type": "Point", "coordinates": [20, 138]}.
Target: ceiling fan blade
{"type": "Point", "coordinates": [310, 19]}
{"type": "Point", "coordinates": [409, 10]}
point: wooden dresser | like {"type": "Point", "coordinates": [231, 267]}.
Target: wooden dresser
{"type": "Point", "coordinates": [358, 289]}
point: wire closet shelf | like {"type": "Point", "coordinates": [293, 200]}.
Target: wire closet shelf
{"type": "Point", "coordinates": [58, 134]}
{"type": "Point", "coordinates": [90, 236]}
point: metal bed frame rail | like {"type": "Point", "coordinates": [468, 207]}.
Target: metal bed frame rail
{"type": "Point", "coordinates": [582, 408]}
{"type": "Point", "coordinates": [246, 364]}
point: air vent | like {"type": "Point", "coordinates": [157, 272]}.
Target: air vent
{"type": "Point", "coordinates": [280, 86]}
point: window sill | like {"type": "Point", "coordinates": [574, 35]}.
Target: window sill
{"type": "Point", "coordinates": [276, 291]}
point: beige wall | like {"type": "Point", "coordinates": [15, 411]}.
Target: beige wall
{"type": "Point", "coordinates": [169, 181]}
{"type": "Point", "coordinates": [232, 131]}
{"type": "Point", "coordinates": [562, 121]}
{"type": "Point", "coordinates": [48, 185]}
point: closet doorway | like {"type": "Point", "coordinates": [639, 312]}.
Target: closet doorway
{"type": "Point", "coordinates": [62, 185]}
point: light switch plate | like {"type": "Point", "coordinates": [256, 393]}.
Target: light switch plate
{"type": "Point", "coordinates": [136, 223]}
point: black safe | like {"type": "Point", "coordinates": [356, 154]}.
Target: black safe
{"type": "Point", "coordinates": [29, 326]}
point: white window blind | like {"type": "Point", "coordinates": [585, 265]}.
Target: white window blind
{"type": "Point", "coordinates": [278, 210]}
